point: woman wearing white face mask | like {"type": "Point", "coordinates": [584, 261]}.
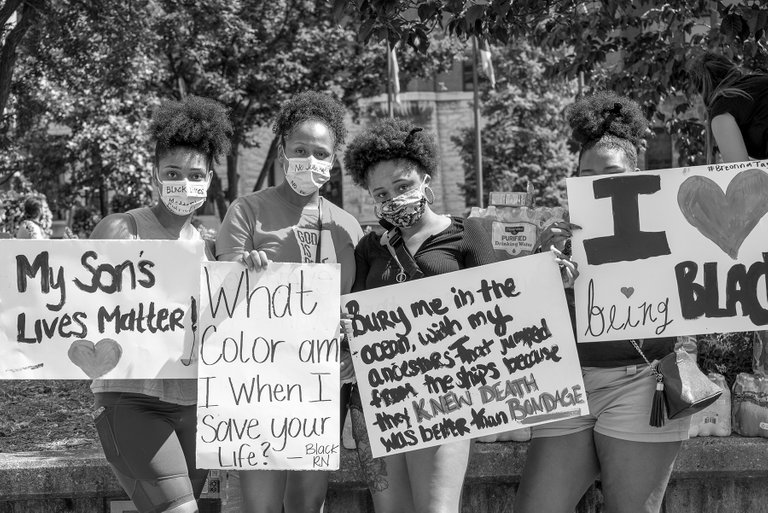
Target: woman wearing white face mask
{"type": "Point", "coordinates": [147, 427]}
{"type": "Point", "coordinates": [395, 162]}
{"type": "Point", "coordinates": [292, 223]}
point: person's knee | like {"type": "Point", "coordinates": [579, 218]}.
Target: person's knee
{"type": "Point", "coordinates": [189, 506]}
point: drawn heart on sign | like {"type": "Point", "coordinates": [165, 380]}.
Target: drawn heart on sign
{"type": "Point", "coordinates": [725, 219]}
{"type": "Point", "coordinates": [95, 360]}
{"type": "Point", "coordinates": [627, 291]}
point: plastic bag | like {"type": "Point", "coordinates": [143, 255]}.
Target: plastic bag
{"type": "Point", "coordinates": [715, 419]}
{"type": "Point", "coordinates": [750, 405]}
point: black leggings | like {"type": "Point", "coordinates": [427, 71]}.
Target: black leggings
{"type": "Point", "coordinates": [150, 445]}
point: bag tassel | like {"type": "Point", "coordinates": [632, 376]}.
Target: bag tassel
{"type": "Point", "coordinates": [657, 409]}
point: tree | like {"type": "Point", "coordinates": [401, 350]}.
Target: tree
{"type": "Point", "coordinates": [91, 81]}
{"type": "Point", "coordinates": [25, 14]}
{"type": "Point", "coordinates": [254, 55]}
{"type": "Point", "coordinates": [636, 48]}
{"type": "Point", "coordinates": [525, 137]}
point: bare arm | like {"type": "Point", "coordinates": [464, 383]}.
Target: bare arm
{"type": "Point", "coordinates": [729, 139]}
{"type": "Point", "coordinates": [115, 226]}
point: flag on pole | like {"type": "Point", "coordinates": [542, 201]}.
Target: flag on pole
{"type": "Point", "coordinates": [485, 62]}
{"type": "Point", "coordinates": [394, 74]}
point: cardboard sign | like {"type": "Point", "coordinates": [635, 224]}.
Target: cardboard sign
{"type": "Point", "coordinates": [458, 356]}
{"type": "Point", "coordinates": [672, 252]}
{"type": "Point", "coordinates": [79, 309]}
{"type": "Point", "coordinates": [268, 388]}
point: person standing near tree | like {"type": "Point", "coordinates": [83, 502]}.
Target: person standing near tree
{"type": "Point", "coordinates": [737, 105]}
{"type": "Point", "coordinates": [147, 427]}
{"type": "Point", "coordinates": [615, 440]}
{"type": "Point", "coordinates": [31, 226]}
{"type": "Point", "coordinates": [291, 222]}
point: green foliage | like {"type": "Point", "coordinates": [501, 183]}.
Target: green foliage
{"type": "Point", "coordinates": [525, 136]}
{"type": "Point", "coordinates": [725, 353]}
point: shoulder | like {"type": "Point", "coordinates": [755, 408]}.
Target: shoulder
{"type": "Point", "coordinates": [344, 219]}
{"type": "Point", "coordinates": [115, 226]}
{"type": "Point", "coordinates": [368, 241]}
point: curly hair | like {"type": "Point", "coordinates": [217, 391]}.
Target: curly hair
{"type": "Point", "coordinates": [311, 105]}
{"type": "Point", "coordinates": [194, 122]}
{"type": "Point", "coordinates": [390, 139]}
{"type": "Point", "coordinates": [607, 120]}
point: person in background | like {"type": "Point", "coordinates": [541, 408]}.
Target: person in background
{"type": "Point", "coordinates": [31, 227]}
{"type": "Point", "coordinates": [395, 162]}
{"type": "Point", "coordinates": [737, 106]}
{"type": "Point", "coordinates": [614, 441]}
{"type": "Point", "coordinates": [291, 222]}
{"type": "Point", "coordinates": [147, 427]}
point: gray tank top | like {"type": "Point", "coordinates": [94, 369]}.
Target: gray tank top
{"type": "Point", "coordinates": [176, 391]}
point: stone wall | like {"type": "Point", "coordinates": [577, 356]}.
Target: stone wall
{"type": "Point", "coordinates": [724, 475]}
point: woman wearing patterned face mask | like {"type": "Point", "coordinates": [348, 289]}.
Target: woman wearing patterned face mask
{"type": "Point", "coordinates": [292, 223]}
{"type": "Point", "coordinates": [147, 427]}
{"type": "Point", "coordinates": [395, 161]}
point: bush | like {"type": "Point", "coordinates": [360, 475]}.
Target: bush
{"type": "Point", "coordinates": [725, 353]}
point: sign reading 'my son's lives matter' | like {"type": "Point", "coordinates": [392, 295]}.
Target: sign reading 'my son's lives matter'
{"type": "Point", "coordinates": [471, 353]}
{"type": "Point", "coordinates": [268, 374]}
{"type": "Point", "coordinates": [79, 309]}
{"type": "Point", "coordinates": [671, 252]}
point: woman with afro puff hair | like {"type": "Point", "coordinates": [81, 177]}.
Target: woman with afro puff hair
{"type": "Point", "coordinates": [291, 222]}
{"type": "Point", "coordinates": [396, 161]}
{"type": "Point", "coordinates": [147, 427]}
{"type": "Point", "coordinates": [614, 441]}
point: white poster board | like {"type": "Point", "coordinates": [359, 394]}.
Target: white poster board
{"type": "Point", "coordinates": [471, 353]}
{"type": "Point", "coordinates": [671, 252]}
{"type": "Point", "coordinates": [268, 384]}
{"type": "Point", "coordinates": [80, 309]}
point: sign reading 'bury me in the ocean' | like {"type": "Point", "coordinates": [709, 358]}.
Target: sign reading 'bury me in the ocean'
{"type": "Point", "coordinates": [268, 388]}
{"type": "Point", "coordinates": [458, 356]}
{"type": "Point", "coordinates": [79, 309]}
{"type": "Point", "coordinates": [671, 252]}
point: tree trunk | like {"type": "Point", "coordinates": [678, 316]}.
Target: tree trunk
{"type": "Point", "coordinates": [216, 194]}
{"type": "Point", "coordinates": [29, 14]}
{"type": "Point", "coordinates": [232, 176]}
{"type": "Point", "coordinates": [103, 198]}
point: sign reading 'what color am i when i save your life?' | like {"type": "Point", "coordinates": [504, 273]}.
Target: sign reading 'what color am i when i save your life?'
{"type": "Point", "coordinates": [268, 388]}
{"type": "Point", "coordinates": [472, 353]}
{"type": "Point", "coordinates": [79, 309]}
{"type": "Point", "coordinates": [671, 252]}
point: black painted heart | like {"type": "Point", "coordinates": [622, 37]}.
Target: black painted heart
{"type": "Point", "coordinates": [95, 359]}
{"type": "Point", "coordinates": [725, 219]}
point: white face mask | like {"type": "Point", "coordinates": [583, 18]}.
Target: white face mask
{"type": "Point", "coordinates": [307, 175]}
{"type": "Point", "coordinates": [183, 197]}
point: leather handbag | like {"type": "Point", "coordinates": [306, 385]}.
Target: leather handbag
{"type": "Point", "coordinates": [681, 388]}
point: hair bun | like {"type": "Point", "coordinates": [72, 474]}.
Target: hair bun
{"type": "Point", "coordinates": [605, 113]}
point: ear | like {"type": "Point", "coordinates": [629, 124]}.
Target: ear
{"type": "Point", "coordinates": [427, 180]}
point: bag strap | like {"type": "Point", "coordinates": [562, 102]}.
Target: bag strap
{"type": "Point", "coordinates": [400, 254]}
{"type": "Point", "coordinates": [657, 405]}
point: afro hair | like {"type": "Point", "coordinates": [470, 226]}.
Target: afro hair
{"type": "Point", "coordinates": [606, 119]}
{"type": "Point", "coordinates": [390, 139]}
{"type": "Point", "coordinates": [194, 122]}
{"type": "Point", "coordinates": [316, 106]}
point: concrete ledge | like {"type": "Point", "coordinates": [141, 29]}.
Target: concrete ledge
{"type": "Point", "coordinates": [85, 473]}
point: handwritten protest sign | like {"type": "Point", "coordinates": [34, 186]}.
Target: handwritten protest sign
{"type": "Point", "coordinates": [79, 309]}
{"type": "Point", "coordinates": [672, 252]}
{"type": "Point", "coordinates": [472, 353]}
{"type": "Point", "coordinates": [268, 388]}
